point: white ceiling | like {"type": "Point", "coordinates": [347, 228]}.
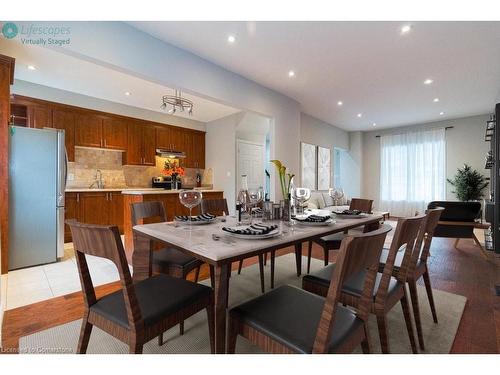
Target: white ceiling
{"type": "Point", "coordinates": [368, 65]}
{"type": "Point", "coordinates": [64, 72]}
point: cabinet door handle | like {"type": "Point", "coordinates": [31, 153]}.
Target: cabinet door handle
{"type": "Point", "coordinates": [104, 142]}
{"type": "Point", "coordinates": [77, 197]}
{"type": "Point", "coordinates": [110, 196]}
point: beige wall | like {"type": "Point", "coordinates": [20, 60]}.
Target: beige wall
{"type": "Point", "coordinates": [464, 144]}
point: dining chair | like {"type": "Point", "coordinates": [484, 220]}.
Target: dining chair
{"type": "Point", "coordinates": [291, 320]}
{"type": "Point", "coordinates": [417, 268]}
{"type": "Point", "coordinates": [139, 311]}
{"type": "Point", "coordinates": [332, 242]}
{"type": "Point", "coordinates": [169, 261]}
{"type": "Point", "coordinates": [216, 207]}
{"type": "Point", "coordinates": [388, 290]}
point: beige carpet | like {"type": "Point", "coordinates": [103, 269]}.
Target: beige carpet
{"type": "Point", "coordinates": [438, 337]}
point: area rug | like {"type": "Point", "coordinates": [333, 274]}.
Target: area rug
{"type": "Point", "coordinates": [438, 337]}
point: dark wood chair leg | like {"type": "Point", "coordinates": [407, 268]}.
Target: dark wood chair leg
{"type": "Point", "coordinates": [212, 274]}
{"type": "Point", "coordinates": [135, 347]}
{"type": "Point", "coordinates": [428, 288]}
{"type": "Point", "coordinates": [365, 344]}
{"type": "Point", "coordinates": [325, 255]}
{"type": "Point", "coordinates": [298, 258]}
{"type": "Point", "coordinates": [409, 325]}
{"type": "Point", "coordinates": [85, 332]}
{"type": "Point", "coordinates": [160, 339]}
{"type": "Point", "coordinates": [265, 259]}
{"type": "Point", "coordinates": [416, 312]}
{"type": "Point", "coordinates": [273, 257]}
{"type": "Point", "coordinates": [232, 335]}
{"type": "Point", "coordinates": [309, 255]}
{"type": "Point", "coordinates": [181, 328]}
{"type": "Point", "coordinates": [197, 274]}
{"type": "Point", "coordinates": [211, 327]}
{"type": "Point", "coordinates": [240, 266]}
{"type": "Point", "coordinates": [382, 332]}
{"type": "Point", "coordinates": [261, 269]}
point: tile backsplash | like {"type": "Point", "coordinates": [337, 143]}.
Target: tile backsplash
{"type": "Point", "coordinates": [114, 174]}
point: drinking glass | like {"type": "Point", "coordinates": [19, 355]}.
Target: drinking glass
{"type": "Point", "coordinates": [255, 196]}
{"type": "Point", "coordinates": [336, 194]}
{"type": "Point", "coordinates": [301, 195]}
{"type": "Point", "coordinates": [190, 199]}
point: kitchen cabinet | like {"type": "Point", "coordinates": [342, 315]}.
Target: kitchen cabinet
{"type": "Point", "coordinates": [195, 150]}
{"type": "Point", "coordinates": [65, 120]}
{"type": "Point", "coordinates": [170, 138]}
{"type": "Point", "coordinates": [114, 133]}
{"type": "Point", "coordinates": [40, 116]}
{"type": "Point", "coordinates": [141, 145]}
{"type": "Point", "coordinates": [88, 130]}
{"type": "Point", "coordinates": [102, 208]}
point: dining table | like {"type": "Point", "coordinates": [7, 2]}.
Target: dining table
{"type": "Point", "coordinates": [220, 249]}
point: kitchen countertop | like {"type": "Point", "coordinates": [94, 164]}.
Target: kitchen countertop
{"type": "Point", "coordinates": [134, 191]}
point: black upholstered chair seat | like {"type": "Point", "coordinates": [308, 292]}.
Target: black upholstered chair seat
{"type": "Point", "coordinates": [169, 256]}
{"type": "Point", "coordinates": [291, 316]}
{"type": "Point", "coordinates": [157, 297]}
{"type": "Point", "coordinates": [353, 285]}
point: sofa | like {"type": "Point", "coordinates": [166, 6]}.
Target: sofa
{"type": "Point", "coordinates": [321, 200]}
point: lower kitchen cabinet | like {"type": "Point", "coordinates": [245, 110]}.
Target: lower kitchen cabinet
{"type": "Point", "coordinates": [101, 208]}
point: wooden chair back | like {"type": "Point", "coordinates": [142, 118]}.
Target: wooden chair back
{"type": "Point", "coordinates": [104, 242]}
{"type": "Point", "coordinates": [214, 206]}
{"type": "Point", "coordinates": [142, 211]}
{"type": "Point", "coordinates": [433, 216]}
{"type": "Point", "coordinates": [363, 205]}
{"type": "Point", "coordinates": [405, 237]}
{"type": "Point", "coordinates": [358, 253]}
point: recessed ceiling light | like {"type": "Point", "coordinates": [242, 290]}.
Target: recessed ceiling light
{"type": "Point", "coordinates": [435, 100]}
{"type": "Point", "coordinates": [231, 39]}
{"type": "Point", "coordinates": [291, 73]}
{"type": "Point", "coordinates": [359, 114]}
{"type": "Point", "coordinates": [405, 29]}
{"type": "Point", "coordinates": [374, 124]}
{"type": "Point", "coordinates": [31, 67]}
{"type": "Point", "coordinates": [428, 81]}
{"type": "Point", "coordinates": [340, 103]}
{"type": "Point", "coordinates": [128, 93]}
{"type": "Point", "coordinates": [441, 113]}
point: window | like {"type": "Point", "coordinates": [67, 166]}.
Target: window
{"type": "Point", "coordinates": [412, 171]}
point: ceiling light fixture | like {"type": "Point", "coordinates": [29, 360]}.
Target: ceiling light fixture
{"type": "Point", "coordinates": [128, 93]}
{"type": "Point", "coordinates": [31, 67]}
{"type": "Point", "coordinates": [231, 39]}
{"type": "Point", "coordinates": [340, 103]}
{"type": "Point", "coordinates": [428, 81]}
{"type": "Point", "coordinates": [374, 124]}
{"type": "Point", "coordinates": [441, 113]}
{"type": "Point", "coordinates": [359, 114]}
{"type": "Point", "coordinates": [291, 74]}
{"type": "Point", "coordinates": [435, 100]}
{"type": "Point", "coordinates": [405, 29]}
{"type": "Point", "coordinates": [177, 102]}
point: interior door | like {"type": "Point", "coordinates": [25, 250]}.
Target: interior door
{"type": "Point", "coordinates": [251, 163]}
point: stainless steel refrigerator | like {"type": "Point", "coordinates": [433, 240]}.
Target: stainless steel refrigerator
{"type": "Point", "coordinates": [37, 180]}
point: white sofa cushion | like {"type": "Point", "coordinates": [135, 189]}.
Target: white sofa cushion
{"type": "Point", "coordinates": [316, 200]}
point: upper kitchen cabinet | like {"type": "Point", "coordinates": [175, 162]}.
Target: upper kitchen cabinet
{"type": "Point", "coordinates": [40, 116]}
{"type": "Point", "coordinates": [141, 147]}
{"type": "Point", "coordinates": [195, 149]}
{"type": "Point", "coordinates": [88, 130]}
{"type": "Point", "coordinates": [114, 133]}
{"type": "Point", "coordinates": [65, 120]}
{"type": "Point", "coordinates": [170, 138]}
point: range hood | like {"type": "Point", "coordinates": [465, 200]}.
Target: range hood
{"type": "Point", "coordinates": [171, 154]}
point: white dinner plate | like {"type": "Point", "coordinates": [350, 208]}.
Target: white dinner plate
{"type": "Point", "coordinates": [197, 222]}
{"type": "Point", "coordinates": [344, 216]}
{"type": "Point", "coordinates": [315, 224]}
{"type": "Point", "coordinates": [271, 234]}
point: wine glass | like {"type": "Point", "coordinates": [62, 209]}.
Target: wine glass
{"type": "Point", "coordinates": [301, 195]}
{"type": "Point", "coordinates": [190, 199]}
{"type": "Point", "coordinates": [336, 194]}
{"type": "Point", "coordinates": [255, 196]}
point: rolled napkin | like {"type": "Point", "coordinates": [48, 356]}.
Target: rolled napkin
{"type": "Point", "coordinates": [252, 230]}
{"type": "Point", "coordinates": [312, 219]}
{"type": "Point", "coordinates": [348, 212]}
{"type": "Point", "coordinates": [202, 217]}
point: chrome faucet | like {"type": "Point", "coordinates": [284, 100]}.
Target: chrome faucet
{"type": "Point", "coordinates": [98, 180]}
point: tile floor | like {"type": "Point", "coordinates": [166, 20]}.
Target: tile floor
{"type": "Point", "coordinates": [34, 284]}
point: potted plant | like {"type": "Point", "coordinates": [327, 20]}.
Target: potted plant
{"type": "Point", "coordinates": [285, 183]}
{"type": "Point", "coordinates": [173, 170]}
{"type": "Point", "coordinates": [468, 183]}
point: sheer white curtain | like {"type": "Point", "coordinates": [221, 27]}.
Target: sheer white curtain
{"type": "Point", "coordinates": [413, 170]}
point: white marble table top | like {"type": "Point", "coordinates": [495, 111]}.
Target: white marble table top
{"type": "Point", "coordinates": [199, 241]}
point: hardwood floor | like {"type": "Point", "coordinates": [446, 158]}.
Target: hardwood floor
{"type": "Point", "coordinates": [462, 271]}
